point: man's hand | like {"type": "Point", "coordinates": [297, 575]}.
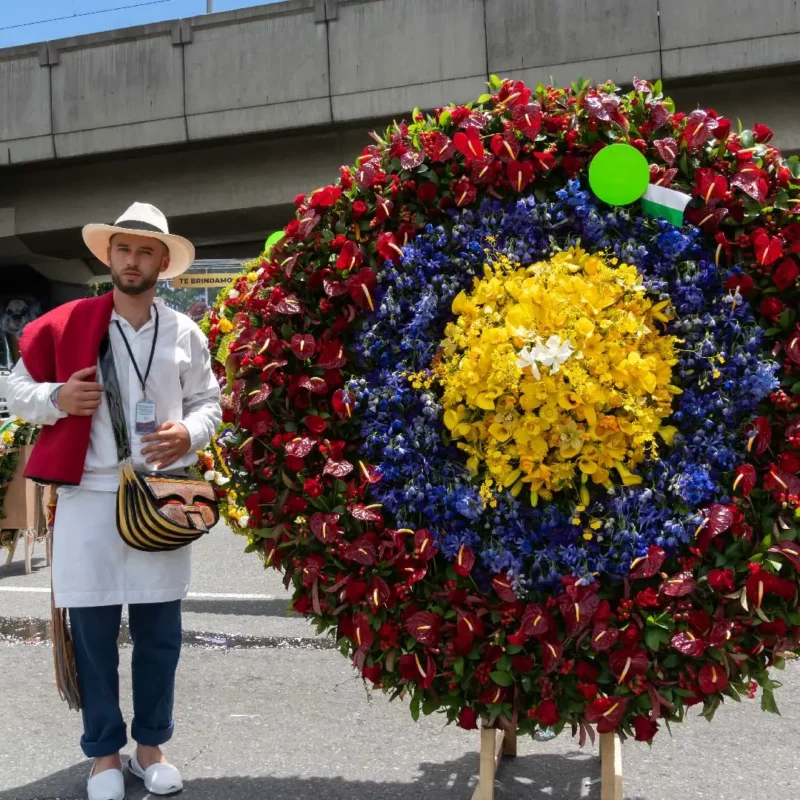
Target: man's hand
{"type": "Point", "coordinates": [169, 443]}
{"type": "Point", "coordinates": [80, 396]}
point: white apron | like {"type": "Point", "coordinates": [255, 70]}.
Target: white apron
{"type": "Point", "coordinates": [92, 566]}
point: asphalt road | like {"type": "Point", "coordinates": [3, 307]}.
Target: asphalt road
{"type": "Point", "coordinates": [265, 710]}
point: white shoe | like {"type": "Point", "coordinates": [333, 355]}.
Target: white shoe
{"type": "Point", "coordinates": [158, 778]}
{"type": "Point", "coordinates": [108, 785]}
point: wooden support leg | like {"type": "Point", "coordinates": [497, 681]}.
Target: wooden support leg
{"type": "Point", "coordinates": [30, 540]}
{"type": "Point", "coordinates": [12, 548]}
{"type": "Point", "coordinates": [510, 743]}
{"type": "Point", "coordinates": [491, 753]}
{"type": "Point", "coordinates": [610, 767]}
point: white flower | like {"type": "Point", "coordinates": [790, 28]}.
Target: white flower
{"type": "Point", "coordinates": [526, 358]}
{"type": "Point", "coordinates": [210, 475]}
{"type": "Point", "coordinates": [244, 521]}
{"type": "Point", "coordinates": [552, 353]}
{"type": "Point", "coordinates": [233, 294]}
{"type": "Point", "coordinates": [222, 480]}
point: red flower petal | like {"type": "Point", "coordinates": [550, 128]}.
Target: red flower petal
{"type": "Point", "coordinates": [465, 560]}
{"type": "Point", "coordinates": [687, 643]}
{"type": "Point", "coordinates": [425, 627]}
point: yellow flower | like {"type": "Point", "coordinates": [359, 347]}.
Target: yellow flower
{"type": "Point", "coordinates": [225, 325]}
{"type": "Point", "coordinates": [556, 372]}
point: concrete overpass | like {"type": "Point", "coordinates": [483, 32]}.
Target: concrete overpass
{"type": "Point", "coordinates": [221, 119]}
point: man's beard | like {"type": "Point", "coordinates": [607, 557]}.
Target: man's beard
{"type": "Point", "coordinates": [145, 286]}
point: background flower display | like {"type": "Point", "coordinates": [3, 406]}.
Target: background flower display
{"type": "Point", "coordinates": [14, 434]}
{"type": "Point", "coordinates": [531, 457]}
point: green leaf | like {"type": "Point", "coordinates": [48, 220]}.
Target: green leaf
{"type": "Point", "coordinates": [748, 139]}
{"type": "Point", "coordinates": [768, 702]}
{"type": "Point", "coordinates": [444, 118]}
{"type": "Point", "coordinates": [503, 664]}
{"type": "Point", "coordinates": [414, 708]}
{"type": "Point", "coordinates": [494, 83]}
{"type": "Point", "coordinates": [654, 637]}
{"type": "Point", "coordinates": [429, 706]}
{"type": "Point", "coordinates": [484, 98]}
{"type": "Point", "coordinates": [502, 678]}
{"type": "Point", "coordinates": [794, 166]}
{"type": "Point", "coordinates": [458, 666]}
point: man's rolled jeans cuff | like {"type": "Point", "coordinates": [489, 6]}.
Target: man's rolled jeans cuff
{"type": "Point", "coordinates": [107, 747]}
{"type": "Point", "coordinates": [151, 738]}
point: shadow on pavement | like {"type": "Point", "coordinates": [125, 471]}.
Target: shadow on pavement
{"type": "Point", "coordinates": [239, 608]}
{"type": "Point", "coordinates": [16, 569]}
{"type": "Point", "coordinates": [556, 777]}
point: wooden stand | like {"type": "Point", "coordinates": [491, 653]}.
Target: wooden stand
{"type": "Point", "coordinates": [497, 743]}
{"type": "Point", "coordinates": [25, 516]}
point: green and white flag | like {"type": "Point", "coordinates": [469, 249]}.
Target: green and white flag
{"type": "Point", "coordinates": [668, 204]}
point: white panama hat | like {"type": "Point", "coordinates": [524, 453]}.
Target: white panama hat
{"type": "Point", "coordinates": [142, 219]}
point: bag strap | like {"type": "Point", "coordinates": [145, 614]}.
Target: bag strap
{"type": "Point", "coordinates": [114, 398]}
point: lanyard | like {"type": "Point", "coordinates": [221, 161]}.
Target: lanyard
{"type": "Point", "coordinates": [142, 380]}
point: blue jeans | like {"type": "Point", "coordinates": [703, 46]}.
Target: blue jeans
{"type": "Point", "coordinates": [156, 634]}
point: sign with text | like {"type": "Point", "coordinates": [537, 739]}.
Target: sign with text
{"type": "Point", "coordinates": [197, 280]}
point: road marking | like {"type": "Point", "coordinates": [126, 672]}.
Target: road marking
{"type": "Point", "coordinates": [192, 595]}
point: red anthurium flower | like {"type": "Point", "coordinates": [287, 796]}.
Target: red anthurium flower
{"type": "Point", "coordinates": [528, 119]}
{"type": "Point", "coordinates": [667, 149]}
{"type": "Point", "coordinates": [520, 174]}
{"type": "Point", "coordinates": [505, 146]}
{"type": "Point", "coordinates": [547, 713]}
{"type": "Point", "coordinates": [387, 246]}
{"type": "Point", "coordinates": [502, 588]}
{"type": "Point", "coordinates": [743, 284]}
{"type": "Point", "coordinates": [712, 678]}
{"type": "Point", "coordinates": [418, 668]}
{"type": "Point", "coordinates": [425, 627]}
{"type": "Point", "coordinates": [711, 187]}
{"type": "Point", "coordinates": [362, 287]}
{"type": "Point", "coordinates": [791, 550]}
{"type": "Point", "coordinates": [424, 544]}
{"type": "Point", "coordinates": [789, 462]}
{"type": "Point", "coordinates": [689, 644]}
{"type": "Point", "coordinates": [644, 728]}
{"type": "Point", "coordinates": [465, 560]}
{"type": "Point", "coordinates": [577, 609]}
{"type": "Point", "coordinates": [350, 256]}
{"type": "Point", "coordinates": [786, 274]}
{"type": "Point", "coordinates": [720, 634]}
{"type": "Point", "coordinates": [437, 146]}
{"type": "Point", "coordinates": [342, 404]}
{"type": "Point", "coordinates": [378, 595]}
{"type": "Point", "coordinates": [495, 695]}
{"type": "Point", "coordinates": [464, 192]}
{"type": "Point", "coordinates": [326, 527]}
{"type": "Point", "coordinates": [768, 249]}
{"type": "Point", "coordinates": [535, 621]}
{"type": "Point", "coordinates": [469, 144]}
{"type": "Point", "coordinates": [522, 663]}
{"type": "Point", "coordinates": [588, 690]}
{"type": "Point", "coordinates": [355, 591]}
{"type": "Point", "coordinates": [679, 585]}
{"type": "Point", "coordinates": [761, 583]}
{"type": "Point", "coordinates": [604, 637]}
{"type": "Point", "coordinates": [383, 208]}
{"type": "Point", "coordinates": [315, 423]}
{"type": "Point", "coordinates": [700, 127]}
{"type": "Point", "coordinates": [362, 551]}
{"type": "Point", "coordinates": [468, 719]}
{"type": "Point", "coordinates": [372, 673]}
{"type": "Point", "coordinates": [607, 712]}
{"type": "Point", "coordinates": [699, 621]}
{"type": "Point", "coordinates": [745, 479]}
{"type": "Point", "coordinates": [544, 161]}
{"type": "Point", "coordinates": [303, 346]}
{"type": "Point", "coordinates": [649, 565]}
{"type": "Point", "coordinates": [551, 655]}
{"type": "Point", "coordinates": [759, 433]}
{"type": "Point", "coordinates": [300, 446]}
{"type": "Point", "coordinates": [323, 198]}
{"type": "Point", "coordinates": [771, 308]}
{"type": "Point", "coordinates": [485, 170]}
{"type": "Point", "coordinates": [721, 580]}
{"type": "Point", "coordinates": [648, 598]}
{"type": "Point", "coordinates": [312, 568]}
{"type": "Point", "coordinates": [626, 664]}
{"type": "Point", "coordinates": [427, 192]}
{"type": "Point", "coordinates": [752, 181]}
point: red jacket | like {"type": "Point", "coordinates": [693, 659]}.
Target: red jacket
{"type": "Point", "coordinates": [53, 347]}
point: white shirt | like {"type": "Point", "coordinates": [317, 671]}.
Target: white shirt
{"type": "Point", "coordinates": [92, 565]}
{"type": "Point", "coordinates": [181, 383]}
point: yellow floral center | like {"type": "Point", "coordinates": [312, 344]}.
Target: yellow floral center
{"type": "Point", "coordinates": [556, 373]}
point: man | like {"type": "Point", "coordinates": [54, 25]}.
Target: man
{"type": "Point", "coordinates": [164, 371]}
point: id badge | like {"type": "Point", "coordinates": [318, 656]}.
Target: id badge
{"type": "Point", "coordinates": [146, 417]}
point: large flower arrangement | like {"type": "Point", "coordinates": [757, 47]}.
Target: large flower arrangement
{"type": "Point", "coordinates": [533, 458]}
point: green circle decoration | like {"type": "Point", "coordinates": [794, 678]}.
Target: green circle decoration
{"type": "Point", "coordinates": [619, 174]}
{"type": "Point", "coordinates": [273, 239]}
